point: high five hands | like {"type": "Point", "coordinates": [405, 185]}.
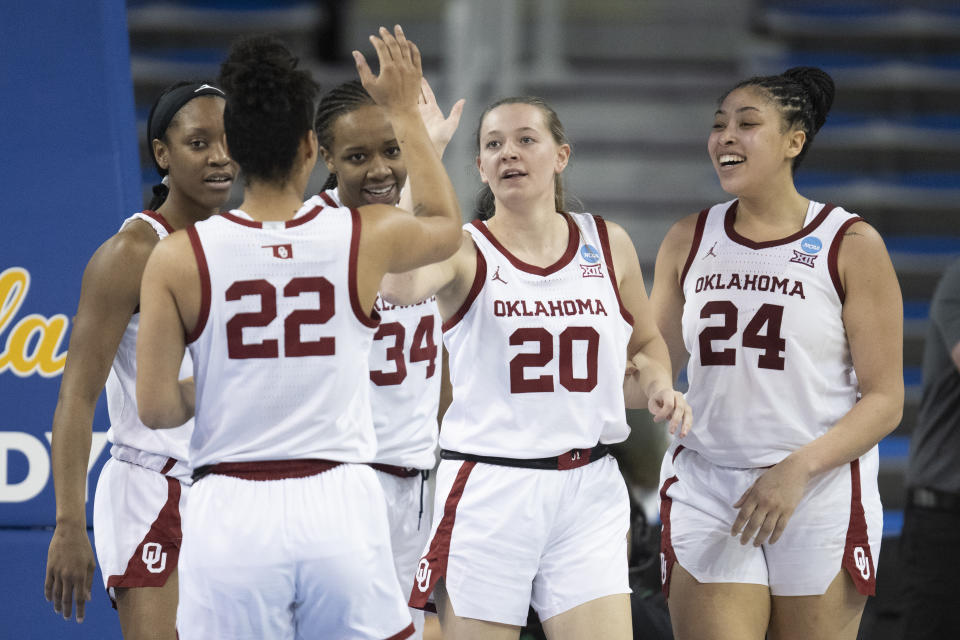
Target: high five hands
{"type": "Point", "coordinates": [397, 87]}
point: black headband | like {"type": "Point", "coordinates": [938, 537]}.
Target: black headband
{"type": "Point", "coordinates": [171, 102]}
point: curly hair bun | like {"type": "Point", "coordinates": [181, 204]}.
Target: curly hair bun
{"type": "Point", "coordinates": [269, 106]}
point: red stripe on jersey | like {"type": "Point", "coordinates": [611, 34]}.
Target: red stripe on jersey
{"type": "Point", "coordinates": [326, 198]}
{"type": "Point", "coordinates": [667, 555]}
{"type": "Point", "coordinates": [159, 218]}
{"type": "Point", "coordinates": [857, 557]}
{"type": "Point", "coordinates": [478, 279]}
{"type": "Point", "coordinates": [408, 631]}
{"type": "Point", "coordinates": [573, 241]}
{"type": "Point", "coordinates": [372, 320]}
{"type": "Point", "coordinates": [608, 258]}
{"type": "Point", "coordinates": [433, 565]}
{"type": "Point", "coordinates": [305, 218]}
{"type": "Point", "coordinates": [695, 246]}
{"type": "Point", "coordinates": [204, 312]}
{"type": "Point", "coordinates": [731, 217]}
{"type": "Point", "coordinates": [834, 253]}
{"type": "Point", "coordinates": [155, 558]}
{"type": "Point", "coordinates": [247, 223]}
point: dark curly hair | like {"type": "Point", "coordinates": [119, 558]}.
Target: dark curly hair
{"type": "Point", "coordinates": [340, 100]}
{"type": "Point", "coordinates": [803, 96]}
{"type": "Point", "coordinates": [485, 206]}
{"type": "Point", "coordinates": [269, 107]}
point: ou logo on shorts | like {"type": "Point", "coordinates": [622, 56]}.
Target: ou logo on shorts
{"type": "Point", "coordinates": [153, 554]}
{"type": "Point", "coordinates": [423, 575]}
{"type": "Point", "coordinates": [663, 568]}
{"type": "Point", "coordinates": [862, 562]}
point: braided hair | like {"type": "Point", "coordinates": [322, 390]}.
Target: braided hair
{"type": "Point", "coordinates": [339, 101]}
{"type": "Point", "coordinates": [803, 96]}
{"type": "Point", "coordinates": [485, 206]}
{"type": "Point", "coordinates": [269, 107]}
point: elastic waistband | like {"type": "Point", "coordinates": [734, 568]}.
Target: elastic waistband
{"type": "Point", "coordinates": [926, 498]}
{"type": "Point", "coordinates": [266, 469]}
{"type": "Point", "coordinates": [394, 470]}
{"type": "Point", "coordinates": [570, 460]}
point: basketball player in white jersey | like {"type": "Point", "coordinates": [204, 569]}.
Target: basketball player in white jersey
{"type": "Point", "coordinates": [286, 533]}
{"type": "Point", "coordinates": [543, 313]}
{"type": "Point", "coordinates": [142, 488]}
{"type": "Point", "coordinates": [366, 167]}
{"type": "Point", "coordinates": [790, 314]}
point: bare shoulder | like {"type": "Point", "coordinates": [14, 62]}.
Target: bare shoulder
{"type": "Point", "coordinates": [681, 233]}
{"type": "Point", "coordinates": [861, 246]}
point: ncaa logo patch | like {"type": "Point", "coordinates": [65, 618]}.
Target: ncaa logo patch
{"type": "Point", "coordinates": [811, 244]}
{"type": "Point", "coordinates": [589, 253]}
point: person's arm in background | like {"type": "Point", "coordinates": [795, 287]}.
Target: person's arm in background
{"type": "Point", "coordinates": [108, 296]}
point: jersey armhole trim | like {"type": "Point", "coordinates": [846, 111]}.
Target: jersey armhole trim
{"type": "Point", "coordinates": [608, 258]}
{"type": "Point", "coordinates": [695, 245]}
{"type": "Point", "coordinates": [478, 279]}
{"type": "Point", "coordinates": [372, 320]}
{"type": "Point", "coordinates": [159, 218]}
{"type": "Point", "coordinates": [329, 200]}
{"type": "Point", "coordinates": [204, 270]}
{"type": "Point", "coordinates": [833, 256]}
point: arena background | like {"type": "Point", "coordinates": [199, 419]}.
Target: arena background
{"type": "Point", "coordinates": [635, 82]}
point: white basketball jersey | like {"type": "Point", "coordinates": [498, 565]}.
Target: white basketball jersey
{"type": "Point", "coordinates": [770, 366]}
{"type": "Point", "coordinates": [537, 355]}
{"type": "Point", "coordinates": [405, 371]}
{"type": "Point", "coordinates": [280, 349]}
{"type": "Point", "coordinates": [126, 430]}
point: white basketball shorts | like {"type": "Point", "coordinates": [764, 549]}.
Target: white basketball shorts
{"type": "Point", "coordinates": [837, 524]}
{"type": "Point", "coordinates": [409, 505]}
{"type": "Point", "coordinates": [504, 538]}
{"type": "Point", "coordinates": [289, 559]}
{"type": "Point", "coordinates": [137, 525]}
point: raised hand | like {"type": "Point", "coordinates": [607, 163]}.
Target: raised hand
{"type": "Point", "coordinates": [441, 129]}
{"type": "Point", "coordinates": [397, 86]}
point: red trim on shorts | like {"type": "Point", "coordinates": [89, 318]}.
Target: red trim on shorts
{"type": "Point", "coordinates": [204, 312]}
{"type": "Point", "coordinates": [326, 197]}
{"type": "Point", "coordinates": [168, 465]}
{"type": "Point", "coordinates": [857, 557]}
{"type": "Point", "coordinates": [478, 279]}
{"type": "Point", "coordinates": [608, 258]}
{"type": "Point", "coordinates": [834, 254]}
{"type": "Point", "coordinates": [408, 631]}
{"type": "Point", "coordinates": [695, 245]}
{"type": "Point", "coordinates": [155, 558]}
{"type": "Point", "coordinates": [394, 470]}
{"type": "Point", "coordinates": [433, 565]}
{"type": "Point", "coordinates": [272, 469]}
{"type": "Point", "coordinates": [159, 218]}
{"type": "Point", "coordinates": [731, 216]}
{"type": "Point", "coordinates": [372, 320]}
{"type": "Point", "coordinates": [573, 241]}
{"type": "Point", "coordinates": [667, 555]}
